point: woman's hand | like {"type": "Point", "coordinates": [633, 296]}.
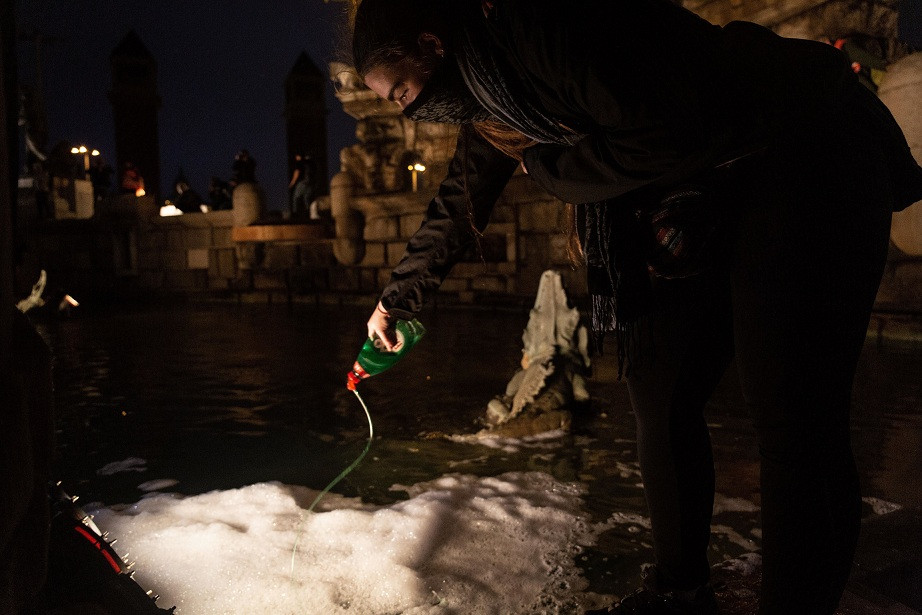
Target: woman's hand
{"type": "Point", "coordinates": [381, 324]}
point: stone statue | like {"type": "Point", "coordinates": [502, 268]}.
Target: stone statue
{"type": "Point", "coordinates": [345, 78]}
{"type": "Point", "coordinates": [555, 363]}
{"type": "Point", "coordinates": [375, 164]}
{"type": "Point", "coordinates": [34, 300]}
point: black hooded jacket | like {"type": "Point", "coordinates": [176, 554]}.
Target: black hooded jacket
{"type": "Point", "coordinates": [656, 96]}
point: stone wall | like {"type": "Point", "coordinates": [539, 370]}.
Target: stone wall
{"type": "Point", "coordinates": [373, 208]}
{"type": "Point", "coordinates": [526, 235]}
{"type": "Point", "coordinates": [191, 252]}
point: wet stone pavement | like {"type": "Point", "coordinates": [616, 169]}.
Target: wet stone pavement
{"type": "Point", "coordinates": [223, 396]}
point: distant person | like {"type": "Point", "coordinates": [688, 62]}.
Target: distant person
{"type": "Point", "coordinates": [101, 177]}
{"type": "Point", "coordinates": [302, 185]}
{"type": "Point", "coordinates": [186, 199]}
{"type": "Point", "coordinates": [219, 194]}
{"type": "Point", "coordinates": [42, 184]}
{"type": "Point", "coordinates": [244, 168]}
{"type": "Point", "coordinates": [131, 182]}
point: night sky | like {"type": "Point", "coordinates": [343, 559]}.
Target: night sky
{"type": "Point", "coordinates": [221, 71]}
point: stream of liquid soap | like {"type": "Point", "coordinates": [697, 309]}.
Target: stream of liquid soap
{"type": "Point", "coordinates": [332, 483]}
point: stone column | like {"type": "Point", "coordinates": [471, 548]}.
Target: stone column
{"type": "Point", "coordinates": [348, 246]}
{"type": "Point", "coordinates": [901, 91]}
{"type": "Point", "coordinates": [248, 205]}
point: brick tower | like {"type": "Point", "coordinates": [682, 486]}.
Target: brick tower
{"type": "Point", "coordinates": [135, 104]}
{"type": "Point", "coordinates": [306, 116]}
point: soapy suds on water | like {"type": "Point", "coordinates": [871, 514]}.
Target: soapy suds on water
{"type": "Point", "coordinates": [504, 544]}
{"type": "Point", "coordinates": [458, 544]}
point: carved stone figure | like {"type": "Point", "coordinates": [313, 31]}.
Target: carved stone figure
{"type": "Point", "coordinates": [555, 362]}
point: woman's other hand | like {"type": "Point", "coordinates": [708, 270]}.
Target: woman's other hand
{"type": "Point", "coordinates": [381, 324]}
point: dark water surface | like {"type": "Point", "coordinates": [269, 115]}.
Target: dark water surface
{"type": "Point", "coordinates": [219, 397]}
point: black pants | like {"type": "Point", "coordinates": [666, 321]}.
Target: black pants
{"type": "Point", "coordinates": [790, 302]}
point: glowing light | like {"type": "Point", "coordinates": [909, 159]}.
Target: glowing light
{"type": "Point", "coordinates": [416, 167]}
{"type": "Point", "coordinates": [170, 210]}
{"type": "Point", "coordinates": [139, 192]}
{"type": "Point", "coordinates": [83, 149]}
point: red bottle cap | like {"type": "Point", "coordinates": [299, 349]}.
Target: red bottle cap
{"type": "Point", "coordinates": [355, 376]}
{"type": "Point", "coordinates": [352, 379]}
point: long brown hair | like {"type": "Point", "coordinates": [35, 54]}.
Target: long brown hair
{"type": "Point", "coordinates": [513, 143]}
{"type": "Point", "coordinates": [386, 31]}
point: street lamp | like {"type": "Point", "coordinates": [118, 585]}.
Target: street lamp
{"type": "Point", "coordinates": [86, 155]}
{"type": "Point", "coordinates": [415, 169]}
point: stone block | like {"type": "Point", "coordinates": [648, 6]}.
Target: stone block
{"type": "Point", "coordinates": [175, 260]}
{"type": "Point", "coordinates": [197, 237]}
{"type": "Point", "coordinates": [249, 255]}
{"type": "Point", "coordinates": [535, 250]}
{"type": "Point", "coordinates": [317, 255]}
{"type": "Point", "coordinates": [218, 219]}
{"type": "Point", "coordinates": [222, 263]}
{"type": "Point", "coordinates": [395, 252]}
{"type": "Point", "coordinates": [269, 280]}
{"type": "Point", "coordinates": [221, 237]}
{"type": "Point", "coordinates": [197, 258]}
{"type": "Point", "coordinates": [512, 248]}
{"type": "Point", "coordinates": [384, 277]}
{"type": "Point", "coordinates": [344, 279]}
{"type": "Point", "coordinates": [218, 283]}
{"type": "Point", "coordinates": [557, 249]}
{"type": "Point", "coordinates": [187, 279]}
{"type": "Point", "coordinates": [907, 284]}
{"type": "Point", "coordinates": [383, 228]}
{"type": "Point", "coordinates": [150, 259]}
{"type": "Point", "coordinates": [310, 280]}
{"type": "Point", "coordinates": [374, 255]}
{"type": "Point", "coordinates": [542, 216]}
{"type": "Point", "coordinates": [489, 283]}
{"type": "Point", "coordinates": [469, 270]}
{"type": "Point", "coordinates": [467, 296]}
{"type": "Point", "coordinates": [151, 238]}
{"type": "Point", "coordinates": [455, 285]}
{"type": "Point", "coordinates": [194, 220]}
{"type": "Point", "coordinates": [280, 256]}
{"type": "Point", "coordinates": [368, 279]}
{"type": "Point", "coordinates": [504, 211]}
{"type": "Point", "coordinates": [409, 224]}
{"type": "Point", "coordinates": [175, 239]}
{"type": "Point", "coordinates": [72, 198]}
{"type": "Point", "coordinates": [152, 280]}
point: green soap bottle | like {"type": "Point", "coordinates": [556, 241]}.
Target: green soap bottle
{"type": "Point", "coordinates": [374, 359]}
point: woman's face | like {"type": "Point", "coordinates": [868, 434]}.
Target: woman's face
{"type": "Point", "coordinates": [401, 82]}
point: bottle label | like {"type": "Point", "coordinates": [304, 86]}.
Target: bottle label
{"type": "Point", "coordinates": [379, 343]}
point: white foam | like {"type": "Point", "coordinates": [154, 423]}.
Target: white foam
{"type": "Point", "coordinates": [459, 544]}
{"type": "Point", "coordinates": [158, 485]}
{"type": "Point", "coordinates": [131, 464]}
{"type": "Point", "coordinates": [881, 507]}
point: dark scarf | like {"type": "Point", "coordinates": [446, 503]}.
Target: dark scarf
{"type": "Point", "coordinates": [491, 80]}
{"type": "Point", "coordinates": [618, 280]}
{"type": "Point", "coordinates": [445, 99]}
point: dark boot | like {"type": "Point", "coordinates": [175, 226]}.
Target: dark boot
{"type": "Point", "coordinates": [653, 599]}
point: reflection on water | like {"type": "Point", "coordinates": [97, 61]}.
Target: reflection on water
{"type": "Point", "coordinates": [220, 397]}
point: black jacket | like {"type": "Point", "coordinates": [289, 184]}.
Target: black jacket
{"type": "Point", "coordinates": [659, 96]}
